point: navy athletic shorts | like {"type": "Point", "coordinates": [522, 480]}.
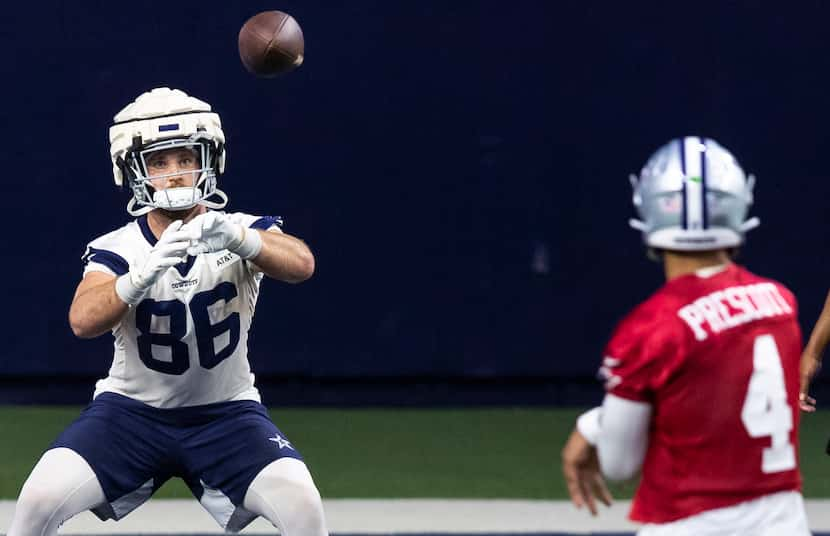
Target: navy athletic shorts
{"type": "Point", "coordinates": [217, 449]}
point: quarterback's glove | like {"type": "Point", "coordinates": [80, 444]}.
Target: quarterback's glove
{"type": "Point", "coordinates": [218, 232]}
{"type": "Point", "coordinates": [170, 250]}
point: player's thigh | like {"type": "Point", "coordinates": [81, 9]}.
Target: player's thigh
{"type": "Point", "coordinates": [224, 456]}
{"type": "Point", "coordinates": [288, 481]}
{"type": "Point", "coordinates": [129, 450]}
{"type": "Point", "coordinates": [230, 451]}
{"type": "Point", "coordinates": [285, 494]}
{"type": "Point", "coordinates": [61, 485]}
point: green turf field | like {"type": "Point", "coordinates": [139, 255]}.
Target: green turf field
{"type": "Point", "coordinates": [508, 453]}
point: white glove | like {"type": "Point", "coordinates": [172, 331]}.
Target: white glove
{"type": "Point", "coordinates": [170, 250]}
{"type": "Point", "coordinates": [218, 232]}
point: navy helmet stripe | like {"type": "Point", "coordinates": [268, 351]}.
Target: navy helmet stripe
{"type": "Point", "coordinates": [704, 197]}
{"type": "Point", "coordinates": [682, 146]}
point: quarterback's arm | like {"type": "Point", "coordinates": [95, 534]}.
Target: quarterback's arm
{"type": "Point", "coordinates": [283, 257]}
{"type": "Point", "coordinates": [812, 356]}
{"type": "Point", "coordinates": [619, 430]}
{"type": "Point", "coordinates": [820, 335]}
{"type": "Point", "coordinates": [96, 308]}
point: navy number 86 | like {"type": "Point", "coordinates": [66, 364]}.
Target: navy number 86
{"type": "Point", "coordinates": [206, 332]}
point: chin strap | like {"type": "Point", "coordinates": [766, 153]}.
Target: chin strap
{"type": "Point", "coordinates": [138, 211]}
{"type": "Point", "coordinates": [133, 211]}
{"type": "Point", "coordinates": [215, 204]}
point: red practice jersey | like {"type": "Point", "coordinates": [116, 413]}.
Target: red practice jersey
{"type": "Point", "coordinates": [717, 358]}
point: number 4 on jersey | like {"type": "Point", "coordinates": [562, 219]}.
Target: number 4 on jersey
{"type": "Point", "coordinates": [765, 411]}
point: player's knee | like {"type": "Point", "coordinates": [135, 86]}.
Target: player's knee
{"type": "Point", "coordinates": [301, 492]}
{"type": "Point", "coordinates": [307, 512]}
{"type": "Point", "coordinates": [309, 504]}
{"type": "Point", "coordinates": [36, 506]}
{"type": "Point", "coordinates": [290, 492]}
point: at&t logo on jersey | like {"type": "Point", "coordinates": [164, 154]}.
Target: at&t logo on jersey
{"type": "Point", "coordinates": [225, 259]}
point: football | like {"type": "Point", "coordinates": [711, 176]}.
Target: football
{"type": "Point", "coordinates": [271, 43]}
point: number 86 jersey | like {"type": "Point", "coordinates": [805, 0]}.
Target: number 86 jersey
{"type": "Point", "coordinates": [716, 354]}
{"type": "Point", "coordinates": [186, 342]}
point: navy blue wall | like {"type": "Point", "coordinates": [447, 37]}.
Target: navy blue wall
{"type": "Point", "coordinates": [426, 151]}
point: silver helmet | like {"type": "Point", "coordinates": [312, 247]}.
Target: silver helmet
{"type": "Point", "coordinates": [692, 195]}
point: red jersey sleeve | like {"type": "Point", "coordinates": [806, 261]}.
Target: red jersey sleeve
{"type": "Point", "coordinates": [643, 354]}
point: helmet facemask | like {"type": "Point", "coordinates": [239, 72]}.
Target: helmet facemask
{"type": "Point", "coordinates": [146, 193]}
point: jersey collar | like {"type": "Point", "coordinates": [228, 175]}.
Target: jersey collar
{"type": "Point", "coordinates": [709, 271]}
{"type": "Point", "coordinates": [182, 268]}
{"type": "Point", "coordinates": [145, 230]}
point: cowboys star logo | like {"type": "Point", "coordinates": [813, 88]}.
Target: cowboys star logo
{"type": "Point", "coordinates": [281, 441]}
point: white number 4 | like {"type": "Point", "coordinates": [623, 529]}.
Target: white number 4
{"type": "Point", "coordinates": [765, 411]}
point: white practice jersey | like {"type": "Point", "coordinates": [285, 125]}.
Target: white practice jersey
{"type": "Point", "coordinates": [186, 342]}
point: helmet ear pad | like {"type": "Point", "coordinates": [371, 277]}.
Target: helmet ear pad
{"type": "Point", "coordinates": [123, 172]}
{"type": "Point", "coordinates": [218, 163]}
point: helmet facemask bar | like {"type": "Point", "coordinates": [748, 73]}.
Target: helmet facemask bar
{"type": "Point", "coordinates": [148, 196]}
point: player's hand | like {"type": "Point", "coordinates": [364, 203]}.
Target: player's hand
{"type": "Point", "coordinates": [810, 365]}
{"type": "Point", "coordinates": [218, 232]}
{"type": "Point", "coordinates": [580, 466]}
{"type": "Point", "coordinates": [170, 250]}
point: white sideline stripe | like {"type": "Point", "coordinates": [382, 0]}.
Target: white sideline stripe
{"type": "Point", "coordinates": [369, 516]}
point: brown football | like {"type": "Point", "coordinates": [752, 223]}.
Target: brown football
{"type": "Point", "coordinates": [271, 43]}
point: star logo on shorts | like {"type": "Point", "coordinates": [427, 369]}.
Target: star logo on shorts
{"type": "Point", "coordinates": [281, 441]}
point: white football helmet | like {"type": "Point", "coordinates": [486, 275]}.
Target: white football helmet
{"type": "Point", "coordinates": [159, 120]}
{"type": "Point", "coordinates": [692, 195]}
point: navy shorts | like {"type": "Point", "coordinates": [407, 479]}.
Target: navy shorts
{"type": "Point", "coordinates": [217, 449]}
